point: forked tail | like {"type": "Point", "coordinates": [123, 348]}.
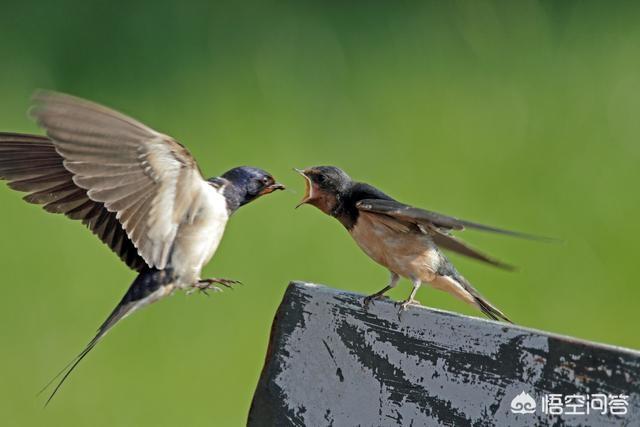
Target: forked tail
{"type": "Point", "coordinates": [148, 287]}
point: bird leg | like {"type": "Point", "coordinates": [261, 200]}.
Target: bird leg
{"type": "Point", "coordinates": [404, 305]}
{"type": "Point", "coordinates": [366, 302]}
{"type": "Point", "coordinates": [204, 285]}
{"type": "Point", "coordinates": [393, 281]}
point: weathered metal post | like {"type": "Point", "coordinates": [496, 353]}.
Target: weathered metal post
{"type": "Point", "coordinates": [330, 362]}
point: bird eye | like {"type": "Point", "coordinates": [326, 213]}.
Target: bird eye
{"type": "Point", "coordinates": [320, 178]}
{"type": "Point", "coordinates": [266, 180]}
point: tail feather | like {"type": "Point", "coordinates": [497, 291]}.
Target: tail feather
{"type": "Point", "coordinates": [489, 310]}
{"type": "Point", "coordinates": [148, 287]}
{"type": "Point", "coordinates": [481, 302]}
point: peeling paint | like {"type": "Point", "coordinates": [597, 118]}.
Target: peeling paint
{"type": "Point", "coordinates": [330, 362]}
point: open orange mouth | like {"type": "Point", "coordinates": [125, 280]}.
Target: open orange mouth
{"type": "Point", "coordinates": [308, 188]}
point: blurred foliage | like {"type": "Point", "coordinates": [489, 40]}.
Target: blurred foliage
{"type": "Point", "coordinates": [517, 114]}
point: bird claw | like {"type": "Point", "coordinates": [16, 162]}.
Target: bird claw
{"type": "Point", "coordinates": [203, 288]}
{"type": "Point", "coordinates": [370, 299]}
{"type": "Point", "coordinates": [227, 283]}
{"type": "Point", "coordinates": [404, 306]}
{"type": "Point", "coordinates": [205, 285]}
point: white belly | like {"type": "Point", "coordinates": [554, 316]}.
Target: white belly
{"type": "Point", "coordinates": [196, 242]}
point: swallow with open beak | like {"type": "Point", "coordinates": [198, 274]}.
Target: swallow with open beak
{"type": "Point", "coordinates": [140, 191]}
{"type": "Point", "coordinates": [404, 239]}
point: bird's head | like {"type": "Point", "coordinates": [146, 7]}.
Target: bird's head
{"type": "Point", "coordinates": [325, 187]}
{"type": "Point", "coordinates": [247, 184]}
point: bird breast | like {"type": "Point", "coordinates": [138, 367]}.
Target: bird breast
{"type": "Point", "coordinates": [198, 238]}
{"type": "Point", "coordinates": [405, 252]}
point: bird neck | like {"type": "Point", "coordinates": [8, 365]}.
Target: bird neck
{"type": "Point", "coordinates": [345, 210]}
{"type": "Point", "coordinates": [235, 195]}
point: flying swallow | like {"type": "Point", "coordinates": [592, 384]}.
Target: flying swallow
{"type": "Point", "coordinates": [140, 191]}
{"type": "Point", "coordinates": [404, 239]}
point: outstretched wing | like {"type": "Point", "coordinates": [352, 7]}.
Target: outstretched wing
{"type": "Point", "coordinates": [438, 226]}
{"type": "Point", "coordinates": [31, 164]}
{"type": "Point", "coordinates": [150, 181]}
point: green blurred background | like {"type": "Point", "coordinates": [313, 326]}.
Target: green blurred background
{"type": "Point", "coordinates": [517, 114]}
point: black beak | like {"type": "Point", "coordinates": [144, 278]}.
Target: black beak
{"type": "Point", "coordinates": [272, 188]}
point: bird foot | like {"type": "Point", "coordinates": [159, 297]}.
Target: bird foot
{"type": "Point", "coordinates": [404, 306]}
{"type": "Point", "coordinates": [205, 285]}
{"type": "Point", "coordinates": [227, 283]}
{"type": "Point", "coordinates": [368, 300]}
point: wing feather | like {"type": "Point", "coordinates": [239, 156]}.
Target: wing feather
{"type": "Point", "coordinates": [408, 219]}
{"type": "Point", "coordinates": [50, 184]}
{"type": "Point", "coordinates": [148, 179]}
{"type": "Point", "coordinates": [422, 216]}
{"type": "Point", "coordinates": [450, 242]}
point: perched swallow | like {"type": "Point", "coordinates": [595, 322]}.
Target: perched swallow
{"type": "Point", "coordinates": [140, 191]}
{"type": "Point", "coordinates": [404, 239]}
